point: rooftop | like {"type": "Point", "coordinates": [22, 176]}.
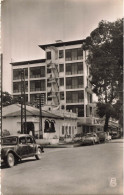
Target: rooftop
{"type": "Point", "coordinates": [28, 62]}
{"type": "Point", "coordinates": [14, 110]}
{"type": "Point", "coordinates": [59, 44]}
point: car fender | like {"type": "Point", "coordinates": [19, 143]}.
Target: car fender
{"type": "Point", "coordinates": [41, 147]}
{"type": "Point", "coordinates": [13, 152]}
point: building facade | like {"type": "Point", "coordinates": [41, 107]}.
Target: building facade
{"type": "Point", "coordinates": [54, 122]}
{"type": "Point", "coordinates": [63, 78]}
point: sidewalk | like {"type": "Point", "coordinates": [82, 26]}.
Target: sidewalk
{"type": "Point", "coordinates": [121, 140]}
{"type": "Point", "coordinates": [46, 144]}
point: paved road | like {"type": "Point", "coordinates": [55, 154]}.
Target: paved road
{"type": "Point", "coordinates": [83, 170]}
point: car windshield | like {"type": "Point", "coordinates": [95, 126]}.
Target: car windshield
{"type": "Point", "coordinates": [9, 141]}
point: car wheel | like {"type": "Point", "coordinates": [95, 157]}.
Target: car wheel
{"type": "Point", "coordinates": [93, 142]}
{"type": "Point", "coordinates": [10, 160]}
{"type": "Point", "coordinates": [38, 155]}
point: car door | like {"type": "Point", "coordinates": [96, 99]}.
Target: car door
{"type": "Point", "coordinates": [31, 145]}
{"type": "Point", "coordinates": [22, 147]}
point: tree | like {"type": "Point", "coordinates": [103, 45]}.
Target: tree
{"type": "Point", "coordinates": [105, 58]}
{"type": "Point", "coordinates": [7, 99]}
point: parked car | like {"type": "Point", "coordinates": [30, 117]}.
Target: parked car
{"type": "Point", "coordinates": [90, 138]}
{"type": "Point", "coordinates": [116, 135]}
{"type": "Point", "coordinates": [108, 137]}
{"type": "Point", "coordinates": [102, 136]}
{"type": "Point", "coordinates": [77, 137]}
{"type": "Point", "coordinates": [17, 147]}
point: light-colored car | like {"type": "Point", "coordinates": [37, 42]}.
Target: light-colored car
{"type": "Point", "coordinates": [90, 138]}
{"type": "Point", "coordinates": [108, 137]}
{"type": "Point", "coordinates": [77, 137]}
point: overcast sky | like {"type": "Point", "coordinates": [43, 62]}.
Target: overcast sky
{"type": "Point", "coordinates": [29, 23]}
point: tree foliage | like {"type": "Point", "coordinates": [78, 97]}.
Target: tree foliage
{"type": "Point", "coordinates": [105, 45]}
{"type": "Point", "coordinates": [7, 99]}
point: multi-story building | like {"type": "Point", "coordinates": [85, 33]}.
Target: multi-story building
{"type": "Point", "coordinates": [63, 77]}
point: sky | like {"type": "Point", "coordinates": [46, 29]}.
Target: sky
{"type": "Point", "coordinates": [29, 23]}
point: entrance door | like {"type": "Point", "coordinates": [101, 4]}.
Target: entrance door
{"type": "Point", "coordinates": [30, 128]}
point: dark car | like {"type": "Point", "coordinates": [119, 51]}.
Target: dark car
{"type": "Point", "coordinates": [17, 147]}
{"type": "Point", "coordinates": [102, 136]}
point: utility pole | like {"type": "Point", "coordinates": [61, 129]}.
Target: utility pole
{"type": "Point", "coordinates": [1, 84]}
{"type": "Point", "coordinates": [40, 103]}
{"type": "Point", "coordinates": [23, 103]}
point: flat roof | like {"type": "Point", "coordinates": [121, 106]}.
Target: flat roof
{"type": "Point", "coordinates": [59, 44]}
{"type": "Point", "coordinates": [28, 62]}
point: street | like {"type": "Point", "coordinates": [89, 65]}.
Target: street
{"type": "Point", "coordinates": [96, 169]}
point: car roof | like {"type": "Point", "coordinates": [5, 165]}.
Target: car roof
{"type": "Point", "coordinates": [17, 135]}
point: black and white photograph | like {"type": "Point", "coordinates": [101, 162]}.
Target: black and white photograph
{"type": "Point", "coordinates": [61, 81]}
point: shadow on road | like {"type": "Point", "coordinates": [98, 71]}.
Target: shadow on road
{"type": "Point", "coordinates": [4, 166]}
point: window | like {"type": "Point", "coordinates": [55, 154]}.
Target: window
{"type": "Point", "coordinates": [70, 130]}
{"type": "Point", "coordinates": [80, 68]}
{"type": "Point", "coordinates": [73, 130]}
{"type": "Point", "coordinates": [68, 55]}
{"type": "Point", "coordinates": [80, 53]}
{"type": "Point", "coordinates": [69, 97]}
{"type": "Point", "coordinates": [61, 81]}
{"type": "Point", "coordinates": [37, 85]}
{"type": "Point", "coordinates": [79, 109]}
{"type": "Point", "coordinates": [74, 68]}
{"type": "Point", "coordinates": [29, 140]}
{"type": "Point", "coordinates": [73, 54]}
{"type": "Point", "coordinates": [61, 67]}
{"type": "Point", "coordinates": [48, 55]}
{"type": "Point", "coordinates": [80, 96]}
{"type": "Point", "coordinates": [22, 140]}
{"type": "Point", "coordinates": [62, 130]}
{"type": "Point", "coordinates": [74, 82]}
{"type": "Point", "coordinates": [74, 96]}
{"type": "Point", "coordinates": [68, 69]}
{"type": "Point", "coordinates": [89, 97]}
{"type": "Point", "coordinates": [37, 72]}
{"type": "Point", "coordinates": [80, 82]}
{"type": "Point", "coordinates": [48, 70]}
{"type": "Point", "coordinates": [17, 73]}
{"type": "Point", "coordinates": [61, 95]}
{"type": "Point", "coordinates": [61, 53]}
{"type": "Point", "coordinates": [49, 98]}
{"type": "Point", "coordinates": [48, 84]}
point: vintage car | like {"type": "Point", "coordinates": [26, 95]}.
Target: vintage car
{"type": "Point", "coordinates": [17, 147]}
{"type": "Point", "coordinates": [77, 137]}
{"type": "Point", "coordinates": [102, 136]}
{"type": "Point", "coordinates": [90, 138]}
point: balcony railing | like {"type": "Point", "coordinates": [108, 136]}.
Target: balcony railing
{"type": "Point", "coordinates": [37, 76]}
{"type": "Point", "coordinates": [19, 90]}
{"type": "Point", "coordinates": [37, 89]}
{"type": "Point", "coordinates": [74, 86]}
{"type": "Point", "coordinates": [19, 77]}
{"type": "Point", "coordinates": [74, 101]}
